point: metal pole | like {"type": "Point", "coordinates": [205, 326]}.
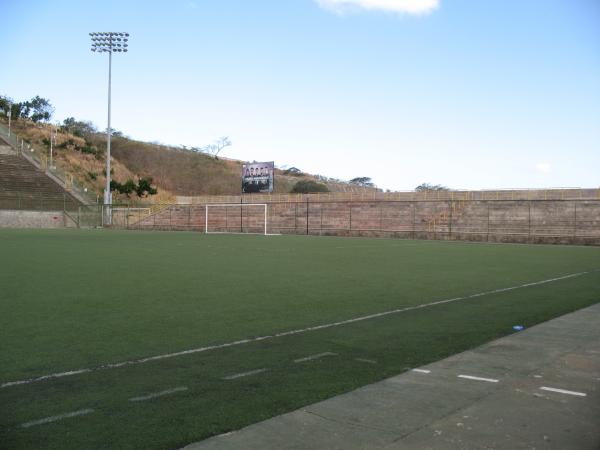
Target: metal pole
{"type": "Point", "coordinates": [266, 206]}
{"type": "Point", "coordinates": [107, 196]}
{"type": "Point", "coordinates": [51, 147]}
{"type": "Point", "coordinates": [414, 218]}
{"type": "Point", "coordinates": [9, 116]}
{"type": "Point", "coordinates": [307, 214]}
{"type": "Point", "coordinates": [321, 223]}
{"type": "Point", "coordinates": [450, 221]}
{"type": "Point", "coordinates": [575, 220]}
{"type": "Point", "coordinates": [529, 223]}
{"type": "Point", "coordinates": [488, 221]}
{"type": "Point", "coordinates": [350, 217]}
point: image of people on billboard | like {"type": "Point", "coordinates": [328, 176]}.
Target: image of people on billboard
{"type": "Point", "coordinates": [257, 177]}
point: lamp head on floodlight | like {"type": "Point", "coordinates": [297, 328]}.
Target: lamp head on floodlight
{"type": "Point", "coordinates": [109, 42]}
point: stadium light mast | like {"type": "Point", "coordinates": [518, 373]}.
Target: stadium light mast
{"type": "Point", "coordinates": [109, 42]}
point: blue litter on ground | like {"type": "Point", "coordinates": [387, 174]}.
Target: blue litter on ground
{"type": "Point", "coordinates": [518, 327]}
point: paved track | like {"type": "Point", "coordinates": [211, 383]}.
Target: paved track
{"type": "Point", "coordinates": [536, 389]}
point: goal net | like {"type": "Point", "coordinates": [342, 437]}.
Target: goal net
{"type": "Point", "coordinates": [251, 218]}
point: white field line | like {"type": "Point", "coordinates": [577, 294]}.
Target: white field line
{"type": "Point", "coordinates": [368, 361]}
{"type": "Point", "coordinates": [158, 394]}
{"type": "Point", "coordinates": [312, 357]}
{"type": "Point", "coordinates": [471, 377]}
{"type": "Point", "coordinates": [421, 370]}
{"type": "Point", "coordinates": [288, 333]}
{"type": "Point", "coordinates": [564, 391]}
{"type": "Point", "coordinates": [45, 420]}
{"type": "Point", "coordinates": [244, 374]}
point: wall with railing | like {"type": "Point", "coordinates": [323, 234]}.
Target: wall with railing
{"type": "Point", "coordinates": [524, 221]}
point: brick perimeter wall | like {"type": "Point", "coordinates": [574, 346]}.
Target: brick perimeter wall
{"type": "Point", "coordinates": [536, 221]}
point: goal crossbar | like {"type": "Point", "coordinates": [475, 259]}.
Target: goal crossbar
{"type": "Point", "coordinates": [241, 205]}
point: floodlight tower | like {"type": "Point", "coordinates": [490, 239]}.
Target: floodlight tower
{"type": "Point", "coordinates": [109, 42]}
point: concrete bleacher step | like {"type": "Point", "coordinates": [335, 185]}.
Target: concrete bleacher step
{"type": "Point", "coordinates": [6, 150]}
{"type": "Point", "coordinates": [21, 183]}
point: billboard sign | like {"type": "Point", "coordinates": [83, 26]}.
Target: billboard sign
{"type": "Point", "coordinates": [257, 177]}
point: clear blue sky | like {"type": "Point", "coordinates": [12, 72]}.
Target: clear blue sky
{"type": "Point", "coordinates": [475, 94]}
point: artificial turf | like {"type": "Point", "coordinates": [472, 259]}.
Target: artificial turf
{"type": "Point", "coordinates": [72, 299]}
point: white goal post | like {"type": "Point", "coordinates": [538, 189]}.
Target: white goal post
{"type": "Point", "coordinates": [260, 206]}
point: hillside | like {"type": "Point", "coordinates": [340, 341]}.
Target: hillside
{"type": "Point", "coordinates": [174, 171]}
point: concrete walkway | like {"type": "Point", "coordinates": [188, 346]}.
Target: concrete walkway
{"type": "Point", "coordinates": [536, 389]}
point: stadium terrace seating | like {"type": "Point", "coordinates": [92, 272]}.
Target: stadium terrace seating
{"type": "Point", "coordinates": [23, 186]}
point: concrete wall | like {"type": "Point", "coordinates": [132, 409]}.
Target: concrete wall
{"type": "Point", "coordinates": [33, 219]}
{"type": "Point", "coordinates": [537, 221]}
{"type": "Point", "coordinates": [505, 194]}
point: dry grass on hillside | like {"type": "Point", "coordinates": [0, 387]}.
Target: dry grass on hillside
{"type": "Point", "coordinates": [174, 171]}
{"type": "Point", "coordinates": [179, 171]}
{"type": "Point", "coordinates": [87, 169]}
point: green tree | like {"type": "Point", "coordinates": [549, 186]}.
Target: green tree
{"type": "Point", "coordinates": [144, 188]}
{"type": "Point", "coordinates": [293, 171]}
{"type": "Point", "coordinates": [430, 187]}
{"type": "Point", "coordinates": [308, 186]}
{"type": "Point", "coordinates": [78, 127]}
{"type": "Point", "coordinates": [39, 109]}
{"type": "Point", "coordinates": [16, 108]}
{"type": "Point", "coordinates": [362, 181]}
{"type": "Point", "coordinates": [5, 104]}
{"type": "Point", "coordinates": [126, 188]}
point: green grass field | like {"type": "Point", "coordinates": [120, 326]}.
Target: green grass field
{"type": "Point", "coordinates": [73, 299]}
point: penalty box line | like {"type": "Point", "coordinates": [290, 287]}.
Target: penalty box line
{"type": "Point", "coordinates": [286, 333]}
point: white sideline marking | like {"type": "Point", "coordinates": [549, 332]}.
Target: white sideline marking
{"type": "Point", "coordinates": [564, 391]}
{"type": "Point", "coordinates": [317, 356]}
{"type": "Point", "coordinates": [158, 394]}
{"type": "Point", "coordinates": [368, 361]}
{"type": "Point", "coordinates": [81, 412]}
{"type": "Point", "coordinates": [421, 370]}
{"type": "Point", "coordinates": [470, 377]}
{"type": "Point", "coordinates": [244, 374]}
{"type": "Point", "coordinates": [287, 333]}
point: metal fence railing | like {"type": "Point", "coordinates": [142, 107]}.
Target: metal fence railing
{"type": "Point", "coordinates": [37, 201]}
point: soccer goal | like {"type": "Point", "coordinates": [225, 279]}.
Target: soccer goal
{"type": "Point", "coordinates": [247, 218]}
